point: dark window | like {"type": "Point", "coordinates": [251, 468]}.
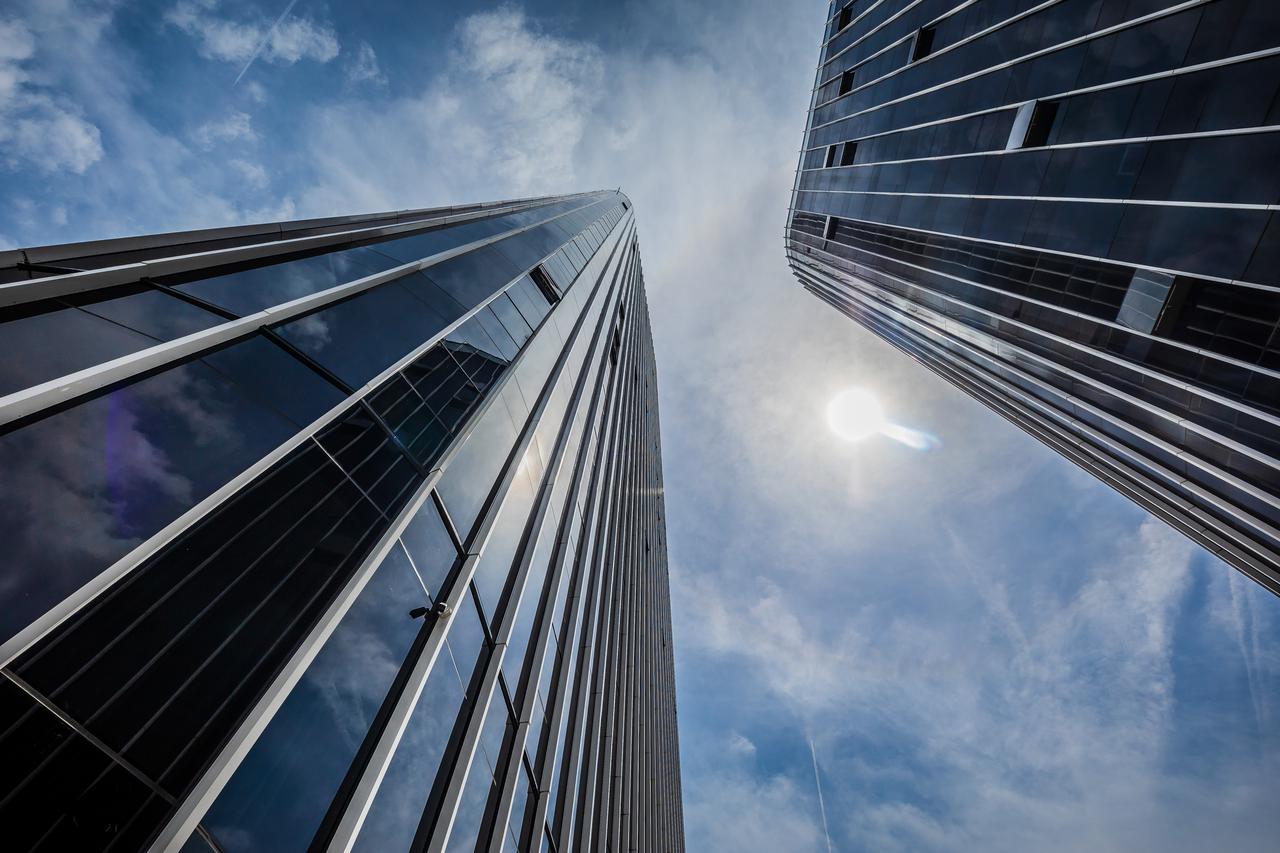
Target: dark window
{"type": "Point", "coordinates": [44, 340]}
{"type": "Point", "coordinates": [120, 466]}
{"type": "Point", "coordinates": [1040, 124]}
{"type": "Point", "coordinates": [922, 46]}
{"type": "Point", "coordinates": [846, 83]}
{"type": "Point", "coordinates": [545, 284]}
{"type": "Point", "coordinates": [831, 155]}
{"type": "Point", "coordinates": [832, 224]}
{"type": "Point", "coordinates": [246, 290]}
{"type": "Point", "coordinates": [360, 337]}
{"type": "Point", "coordinates": [473, 277]}
{"type": "Point", "coordinates": [363, 449]}
{"type": "Point", "coordinates": [278, 796]}
{"type": "Point", "coordinates": [530, 300]}
{"type": "Point", "coordinates": [185, 644]}
{"type": "Point", "coordinates": [845, 18]}
{"type": "Point", "coordinates": [848, 153]}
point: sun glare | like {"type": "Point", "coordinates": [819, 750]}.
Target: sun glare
{"type": "Point", "coordinates": [855, 414]}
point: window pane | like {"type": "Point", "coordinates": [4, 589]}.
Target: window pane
{"type": "Point", "coordinates": [473, 277]}
{"type": "Point", "coordinates": [247, 291]}
{"type": "Point", "coordinates": [86, 485]}
{"type": "Point", "coordinates": [360, 337]}
{"type": "Point", "coordinates": [280, 792]}
{"type": "Point", "coordinates": [430, 547]}
{"type": "Point", "coordinates": [397, 807]}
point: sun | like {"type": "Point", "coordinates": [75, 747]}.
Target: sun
{"type": "Point", "coordinates": [855, 414]}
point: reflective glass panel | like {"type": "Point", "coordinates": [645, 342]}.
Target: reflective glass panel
{"type": "Point", "coordinates": [279, 794]}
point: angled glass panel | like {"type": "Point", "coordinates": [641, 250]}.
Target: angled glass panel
{"type": "Point", "coordinates": [280, 792]}
{"type": "Point", "coordinates": [247, 291]}
{"type": "Point", "coordinates": [44, 340]}
{"type": "Point", "coordinates": [397, 807]}
{"type": "Point", "coordinates": [117, 467]}
{"type": "Point", "coordinates": [360, 337]}
{"type": "Point", "coordinates": [473, 277]}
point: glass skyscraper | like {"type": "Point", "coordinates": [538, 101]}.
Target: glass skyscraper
{"type": "Point", "coordinates": [341, 534]}
{"type": "Point", "coordinates": [1070, 210]}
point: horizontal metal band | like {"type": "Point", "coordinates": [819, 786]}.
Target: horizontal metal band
{"type": "Point", "coordinates": [1220, 279]}
{"type": "Point", "coordinates": [56, 392]}
{"type": "Point", "coordinates": [1091, 143]}
{"type": "Point", "coordinates": [942, 51]}
{"type": "Point", "coordinates": [1033, 55]}
{"type": "Point", "coordinates": [1053, 198]}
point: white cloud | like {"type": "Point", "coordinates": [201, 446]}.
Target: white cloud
{"type": "Point", "coordinates": [731, 812]}
{"type": "Point", "coordinates": [36, 128]}
{"type": "Point", "coordinates": [364, 68]}
{"type": "Point", "coordinates": [504, 120]}
{"type": "Point", "coordinates": [235, 127]}
{"type": "Point", "coordinates": [220, 38]}
{"type": "Point", "coordinates": [254, 175]}
{"type": "Point", "coordinates": [740, 744]}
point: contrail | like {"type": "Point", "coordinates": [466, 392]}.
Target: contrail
{"type": "Point", "coordinates": [263, 43]}
{"type": "Point", "coordinates": [822, 807]}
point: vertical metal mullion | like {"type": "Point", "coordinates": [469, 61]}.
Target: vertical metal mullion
{"type": "Point", "coordinates": [607, 749]}
{"type": "Point", "coordinates": [362, 792]}
{"type": "Point", "coordinates": [436, 824]}
{"type": "Point", "coordinates": [588, 555]}
{"type": "Point", "coordinates": [526, 690]}
{"type": "Point", "coordinates": [586, 798]}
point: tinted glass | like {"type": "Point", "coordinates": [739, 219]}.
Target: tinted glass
{"type": "Point", "coordinates": [430, 547]}
{"type": "Point", "coordinates": [397, 807]}
{"type": "Point", "coordinates": [362, 336]}
{"type": "Point", "coordinates": [473, 277]}
{"type": "Point", "coordinates": [86, 485]}
{"type": "Point", "coordinates": [280, 792]}
{"type": "Point", "coordinates": [152, 312]}
{"type": "Point", "coordinates": [45, 340]}
{"type": "Point", "coordinates": [248, 291]}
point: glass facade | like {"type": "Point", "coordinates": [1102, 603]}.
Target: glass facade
{"type": "Point", "coordinates": [338, 534]}
{"type": "Point", "coordinates": [1071, 210]}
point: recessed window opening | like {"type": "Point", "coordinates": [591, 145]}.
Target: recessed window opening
{"type": "Point", "coordinates": [922, 45]}
{"type": "Point", "coordinates": [846, 17]}
{"type": "Point", "coordinates": [545, 284]}
{"type": "Point", "coordinates": [846, 83]}
{"type": "Point", "coordinates": [850, 151]}
{"type": "Point", "coordinates": [833, 223]}
{"type": "Point", "coordinates": [1032, 124]}
{"type": "Point", "coordinates": [831, 155]}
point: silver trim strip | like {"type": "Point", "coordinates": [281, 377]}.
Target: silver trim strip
{"type": "Point", "coordinates": [35, 399]}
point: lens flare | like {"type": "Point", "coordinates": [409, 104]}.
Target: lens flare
{"type": "Point", "coordinates": [855, 414]}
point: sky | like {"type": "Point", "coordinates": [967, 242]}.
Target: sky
{"type": "Point", "coordinates": [970, 647]}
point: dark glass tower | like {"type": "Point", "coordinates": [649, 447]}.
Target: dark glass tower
{"type": "Point", "coordinates": [1069, 210]}
{"type": "Point", "coordinates": [343, 534]}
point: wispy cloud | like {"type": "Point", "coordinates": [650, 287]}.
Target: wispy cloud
{"type": "Point", "coordinates": [282, 42]}
{"type": "Point", "coordinates": [363, 66]}
{"type": "Point", "coordinates": [38, 128]}
{"type": "Point", "coordinates": [234, 127]}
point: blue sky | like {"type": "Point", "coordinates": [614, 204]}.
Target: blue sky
{"type": "Point", "coordinates": [986, 649]}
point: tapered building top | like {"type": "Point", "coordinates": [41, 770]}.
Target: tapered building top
{"type": "Point", "coordinates": [1070, 210]}
{"type": "Point", "coordinates": [337, 534]}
